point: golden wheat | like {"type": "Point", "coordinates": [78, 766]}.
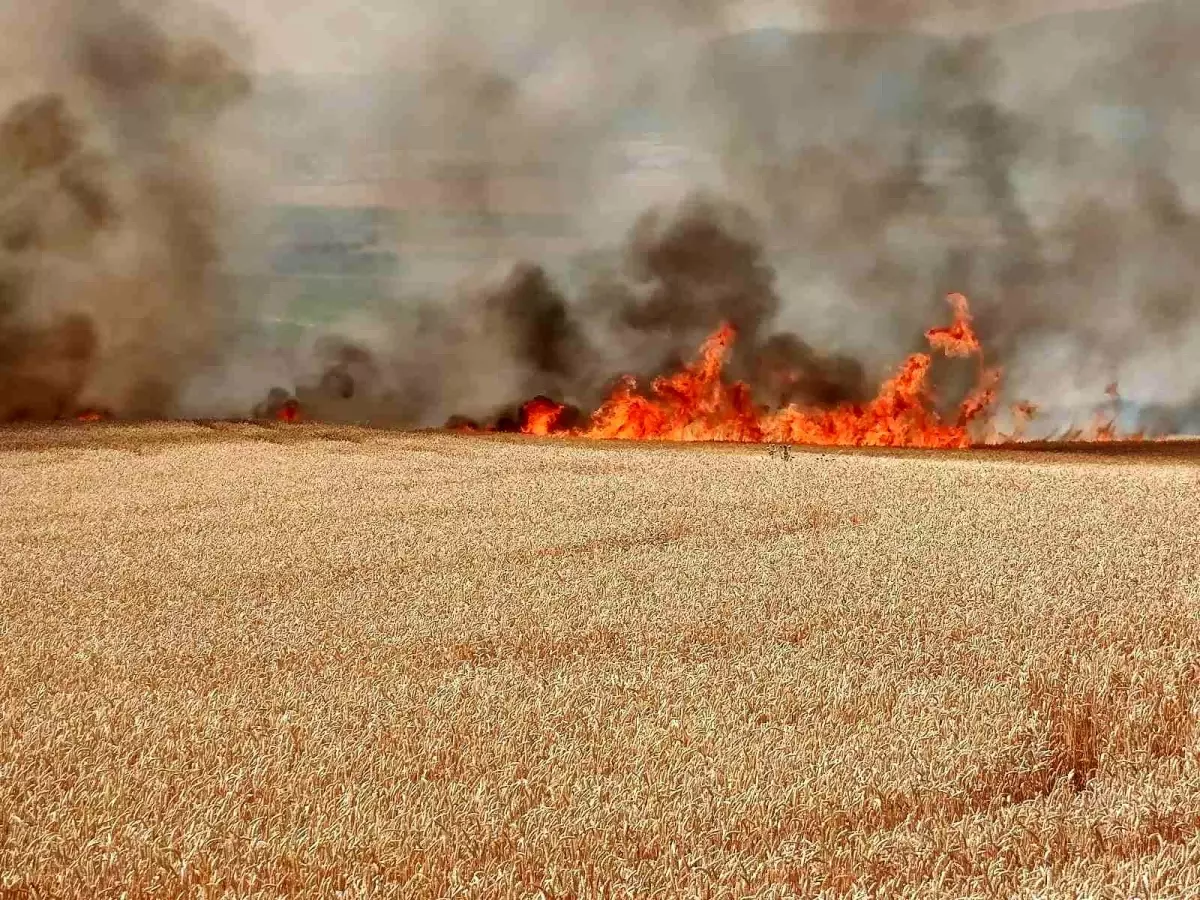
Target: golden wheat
{"type": "Point", "coordinates": [254, 662]}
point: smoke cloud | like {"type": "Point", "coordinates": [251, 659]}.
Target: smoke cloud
{"type": "Point", "coordinates": [109, 218]}
{"type": "Point", "coordinates": [1044, 170]}
{"type": "Point", "coordinates": [820, 190]}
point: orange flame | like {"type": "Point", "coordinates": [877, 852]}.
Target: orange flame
{"type": "Point", "coordinates": [91, 415]}
{"type": "Point", "coordinates": [540, 416]}
{"type": "Point", "coordinates": [958, 339]}
{"type": "Point", "coordinates": [289, 412]}
{"type": "Point", "coordinates": [696, 404]}
{"type": "Point", "coordinates": [1104, 422]}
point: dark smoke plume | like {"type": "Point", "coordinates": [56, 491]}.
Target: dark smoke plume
{"type": "Point", "coordinates": [683, 271]}
{"type": "Point", "coordinates": [688, 269]}
{"type": "Point", "coordinates": [109, 217]}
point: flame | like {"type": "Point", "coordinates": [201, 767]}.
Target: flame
{"type": "Point", "coordinates": [289, 412]}
{"type": "Point", "coordinates": [91, 415]}
{"type": "Point", "coordinates": [693, 404]}
{"type": "Point", "coordinates": [957, 339]}
{"type": "Point", "coordinates": [697, 404]}
{"type": "Point", "coordinates": [1104, 423]}
{"type": "Point", "coordinates": [540, 415]}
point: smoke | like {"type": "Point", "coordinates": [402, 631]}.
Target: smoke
{"type": "Point", "coordinates": [505, 119]}
{"type": "Point", "coordinates": [1044, 170]}
{"type": "Point", "coordinates": [109, 213]}
{"type": "Point", "coordinates": [479, 353]}
{"type": "Point", "coordinates": [822, 191]}
{"type": "Point", "coordinates": [835, 186]}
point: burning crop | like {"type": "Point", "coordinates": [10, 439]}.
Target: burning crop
{"type": "Point", "coordinates": [699, 403]}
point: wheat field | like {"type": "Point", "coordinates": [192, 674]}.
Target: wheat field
{"type": "Point", "coordinates": [259, 661]}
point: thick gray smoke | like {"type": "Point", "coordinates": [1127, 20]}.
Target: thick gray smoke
{"type": "Point", "coordinates": [822, 190]}
{"type": "Point", "coordinates": [1044, 170]}
{"type": "Point", "coordinates": [481, 351]}
{"type": "Point", "coordinates": [843, 182]}
{"type": "Point", "coordinates": [109, 210]}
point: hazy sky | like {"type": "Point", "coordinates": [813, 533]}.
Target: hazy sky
{"type": "Point", "coordinates": [331, 36]}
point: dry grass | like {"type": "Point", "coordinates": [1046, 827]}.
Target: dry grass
{"type": "Point", "coordinates": [252, 662]}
